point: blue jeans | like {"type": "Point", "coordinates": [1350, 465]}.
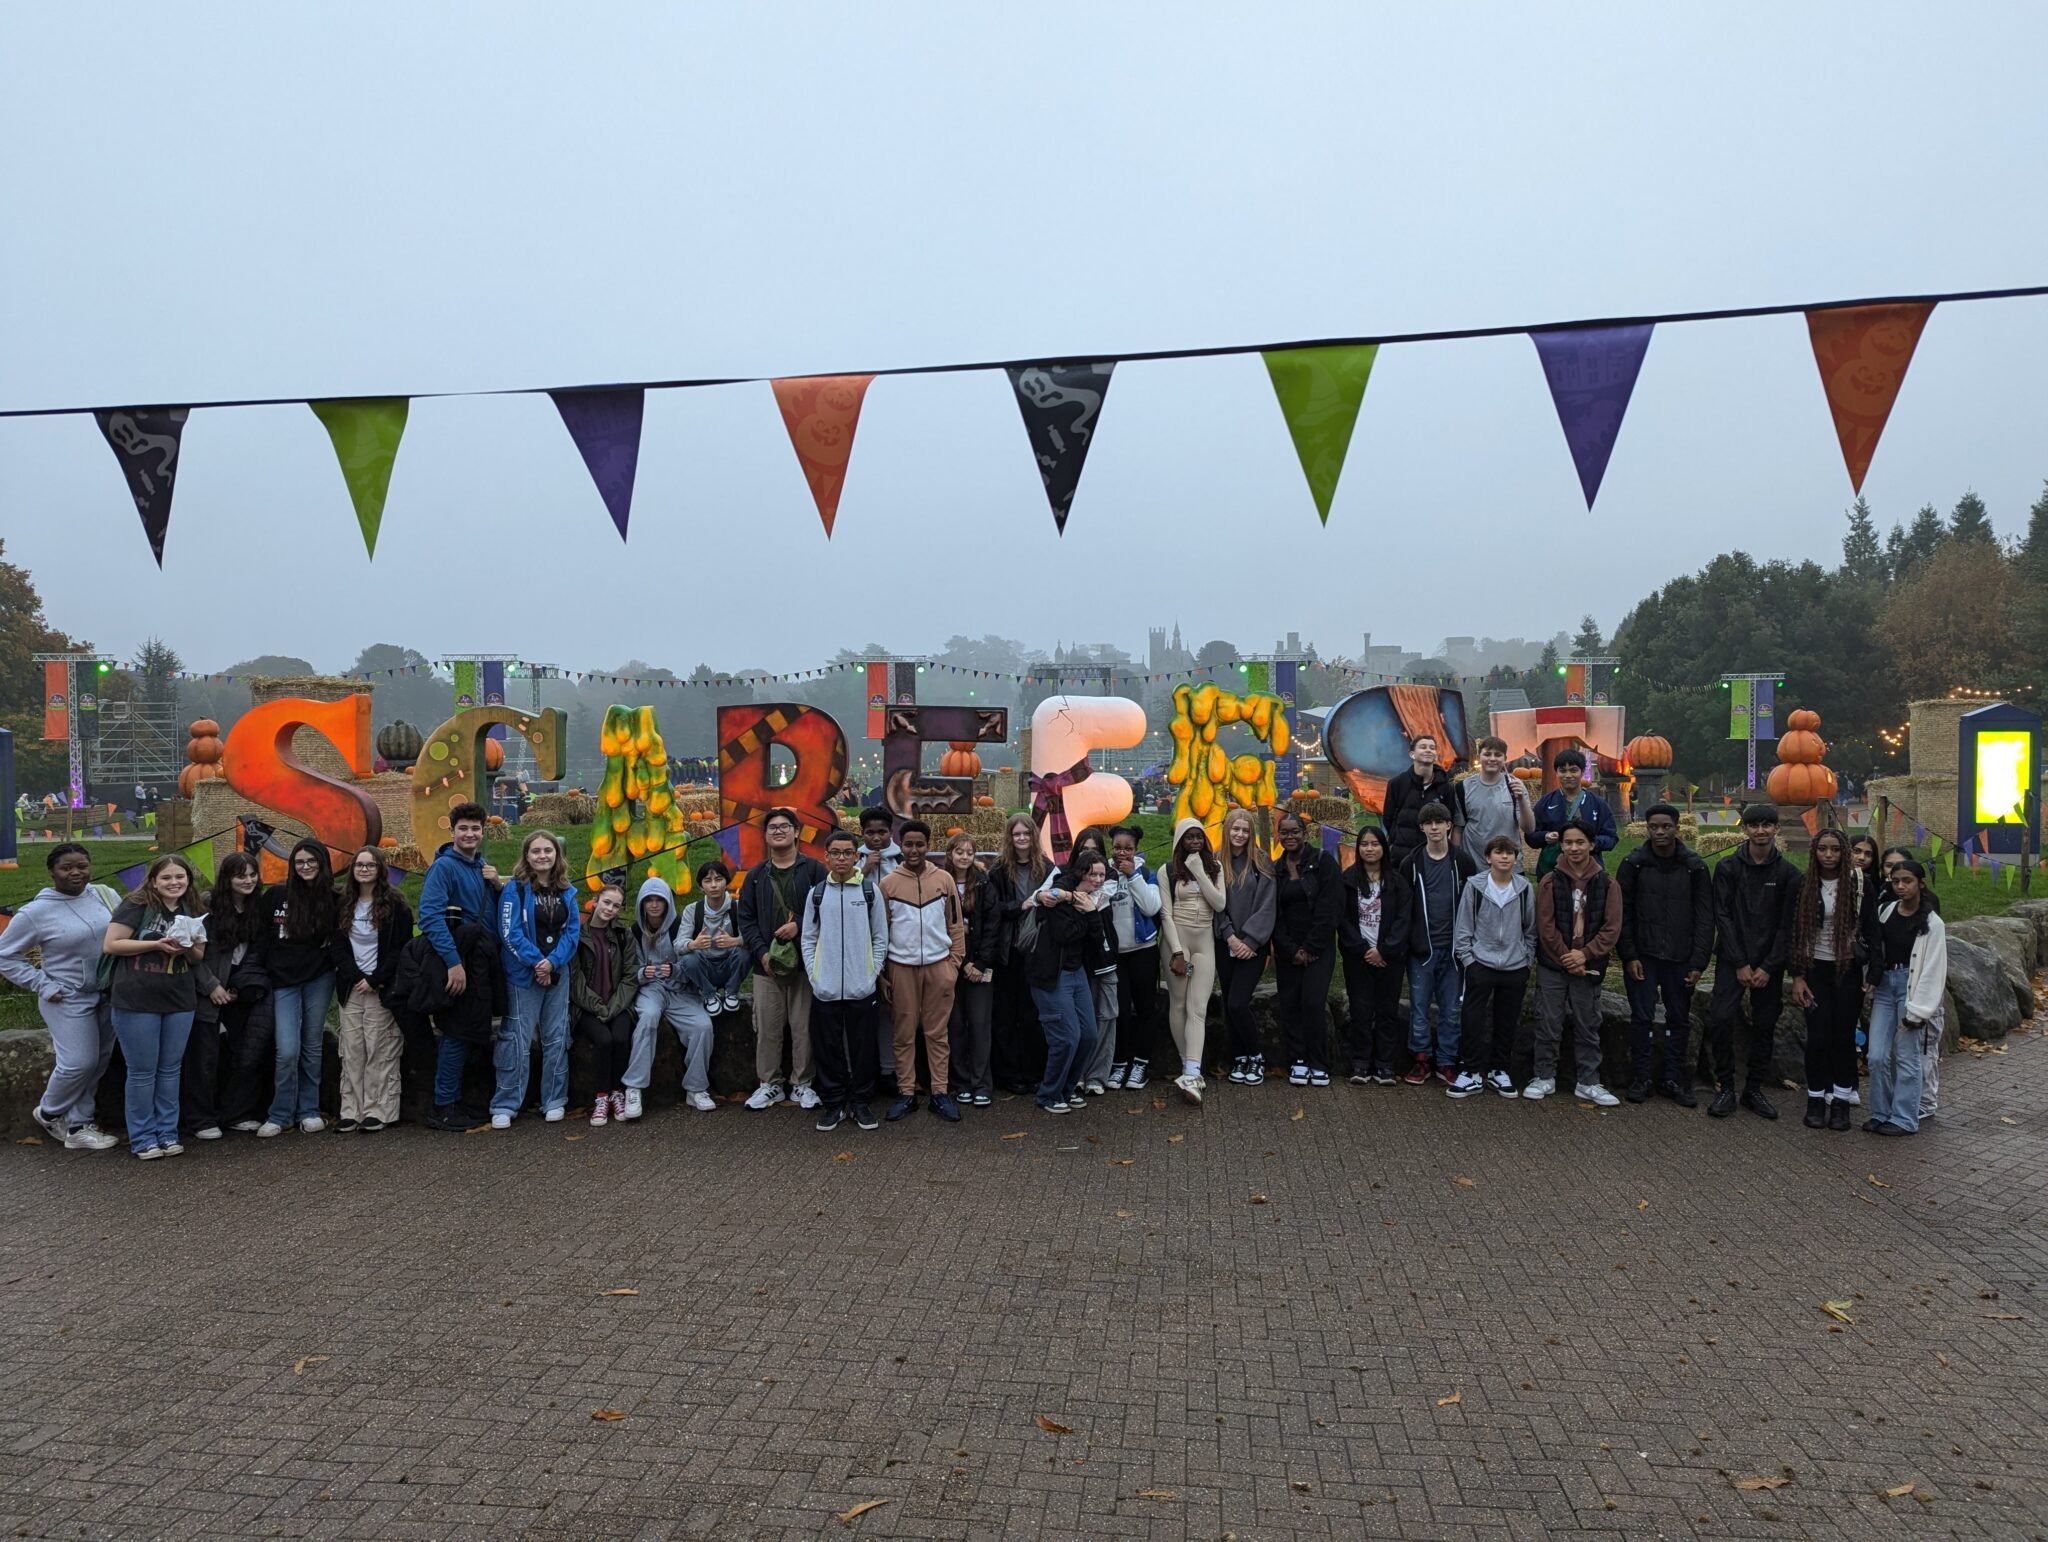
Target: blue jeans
{"type": "Point", "coordinates": [451, 1059]}
{"type": "Point", "coordinates": [713, 972]}
{"type": "Point", "coordinates": [299, 1014]}
{"type": "Point", "coordinates": [1435, 978]}
{"type": "Point", "coordinates": [1067, 1011]}
{"type": "Point", "coordinates": [512, 1047]}
{"type": "Point", "coordinates": [153, 1044]}
{"type": "Point", "coordinates": [1895, 1055]}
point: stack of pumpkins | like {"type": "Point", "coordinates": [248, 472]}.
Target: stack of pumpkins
{"type": "Point", "coordinates": [1799, 779]}
{"type": "Point", "coordinates": [202, 756]}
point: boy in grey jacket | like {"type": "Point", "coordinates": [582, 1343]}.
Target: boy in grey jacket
{"type": "Point", "coordinates": [845, 939]}
{"type": "Point", "coordinates": [1494, 940]}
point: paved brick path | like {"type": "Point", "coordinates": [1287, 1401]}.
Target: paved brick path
{"type": "Point", "coordinates": [406, 1336]}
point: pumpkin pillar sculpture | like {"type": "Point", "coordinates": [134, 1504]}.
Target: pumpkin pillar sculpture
{"type": "Point", "coordinates": [1648, 759]}
{"type": "Point", "coordinates": [202, 756]}
{"type": "Point", "coordinates": [1799, 781]}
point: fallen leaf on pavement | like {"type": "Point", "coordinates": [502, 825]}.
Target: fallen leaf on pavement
{"type": "Point", "coordinates": [1135, 1113]}
{"type": "Point", "coordinates": [299, 1365]}
{"type": "Point", "coordinates": [1159, 1102]}
{"type": "Point", "coordinates": [1446, 1402]}
{"type": "Point", "coordinates": [1125, 1215]}
{"type": "Point", "coordinates": [1093, 1140]}
{"type": "Point", "coordinates": [2001, 1316]}
{"type": "Point", "coordinates": [1157, 1493]}
{"type": "Point", "coordinates": [2007, 1119]}
{"type": "Point", "coordinates": [846, 1156]}
{"type": "Point", "coordinates": [1642, 1204]}
{"type": "Point", "coordinates": [607, 1415]}
{"type": "Point", "coordinates": [848, 1517]}
{"type": "Point", "coordinates": [1016, 1135]}
{"type": "Point", "coordinates": [572, 1137]}
{"type": "Point", "coordinates": [1053, 1426]}
{"type": "Point", "coordinates": [476, 1129]}
{"type": "Point", "coordinates": [1121, 1161]}
{"type": "Point", "coordinates": [1175, 1140]}
{"type": "Point", "coordinates": [1899, 1490]}
{"type": "Point", "coordinates": [1875, 1182]}
{"type": "Point", "coordinates": [1752, 1485]}
{"type": "Point", "coordinates": [622, 1290]}
{"type": "Point", "coordinates": [1299, 1113]}
{"type": "Point", "coordinates": [1465, 1183]}
{"type": "Point", "coordinates": [37, 1140]}
{"type": "Point", "coordinates": [1839, 1310]}
{"type": "Point", "coordinates": [1941, 1359]}
{"type": "Point", "coordinates": [1257, 1199]}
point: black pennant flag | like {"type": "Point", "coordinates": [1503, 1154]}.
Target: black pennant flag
{"type": "Point", "coordinates": [1060, 403]}
{"type": "Point", "coordinates": [145, 442]}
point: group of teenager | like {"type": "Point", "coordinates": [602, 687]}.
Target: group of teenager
{"type": "Point", "coordinates": [891, 965]}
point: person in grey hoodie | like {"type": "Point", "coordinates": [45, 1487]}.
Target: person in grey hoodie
{"type": "Point", "coordinates": [1493, 937]}
{"type": "Point", "coordinates": [665, 996]}
{"type": "Point", "coordinates": [844, 942]}
{"type": "Point", "coordinates": [65, 923]}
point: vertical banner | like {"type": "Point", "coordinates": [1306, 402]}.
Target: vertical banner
{"type": "Point", "coordinates": [878, 700]}
{"type": "Point", "coordinates": [145, 441]}
{"type": "Point", "coordinates": [1258, 678]}
{"type": "Point", "coordinates": [1575, 685]}
{"type": "Point", "coordinates": [606, 428]}
{"type": "Point", "coordinates": [366, 435]}
{"type": "Point", "coordinates": [821, 412]}
{"type": "Point", "coordinates": [1738, 709]}
{"type": "Point", "coordinates": [7, 833]}
{"type": "Point", "coordinates": [902, 685]}
{"type": "Point", "coordinates": [1762, 709]}
{"type": "Point", "coordinates": [1319, 390]}
{"type": "Point", "coordinates": [493, 680]}
{"type": "Point", "coordinates": [465, 685]}
{"type": "Point", "coordinates": [1863, 351]}
{"type": "Point", "coordinates": [1287, 771]}
{"type": "Point", "coordinates": [1060, 403]}
{"type": "Point", "coordinates": [56, 700]}
{"type": "Point", "coordinates": [1592, 373]}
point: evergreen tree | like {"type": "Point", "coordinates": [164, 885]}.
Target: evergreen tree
{"type": "Point", "coordinates": [2030, 573]}
{"type": "Point", "coordinates": [1923, 540]}
{"type": "Point", "coordinates": [1895, 555]}
{"type": "Point", "coordinates": [1588, 643]}
{"type": "Point", "coordinates": [1970, 521]}
{"type": "Point", "coordinates": [1863, 559]}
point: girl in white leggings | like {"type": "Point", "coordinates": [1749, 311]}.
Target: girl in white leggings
{"type": "Point", "coordinates": [1187, 923]}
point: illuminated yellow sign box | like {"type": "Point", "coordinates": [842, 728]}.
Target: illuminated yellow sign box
{"type": "Point", "coordinates": [2005, 770]}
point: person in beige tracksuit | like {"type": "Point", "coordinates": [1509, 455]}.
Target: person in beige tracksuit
{"type": "Point", "coordinates": [927, 943]}
{"type": "Point", "coordinates": [1187, 924]}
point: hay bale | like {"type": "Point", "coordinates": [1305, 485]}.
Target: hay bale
{"type": "Point", "coordinates": [556, 809]}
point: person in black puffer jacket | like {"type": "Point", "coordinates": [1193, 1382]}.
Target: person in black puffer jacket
{"type": "Point", "coordinates": [1667, 936]}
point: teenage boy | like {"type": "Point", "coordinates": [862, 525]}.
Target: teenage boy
{"type": "Point", "coordinates": [1667, 936]}
{"type": "Point", "coordinates": [665, 996]}
{"type": "Point", "coordinates": [845, 942]}
{"type": "Point", "coordinates": [460, 889]}
{"type": "Point", "coordinates": [879, 854]}
{"type": "Point", "coordinates": [1491, 802]}
{"type": "Point", "coordinates": [1578, 922]}
{"type": "Point", "coordinates": [927, 942]}
{"type": "Point", "coordinates": [1134, 915]}
{"type": "Point", "coordinates": [714, 962]}
{"type": "Point", "coordinates": [768, 913]}
{"type": "Point", "coordinates": [1408, 791]}
{"type": "Point", "coordinates": [1756, 898]}
{"type": "Point", "coordinates": [1436, 871]}
{"type": "Point", "coordinates": [1571, 800]}
{"type": "Point", "coordinates": [1494, 939]}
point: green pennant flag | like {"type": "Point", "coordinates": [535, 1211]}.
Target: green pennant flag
{"type": "Point", "coordinates": [365, 432]}
{"type": "Point", "coordinates": [1319, 390]}
{"type": "Point", "coordinates": [200, 855]}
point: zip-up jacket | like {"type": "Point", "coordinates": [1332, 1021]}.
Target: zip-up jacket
{"type": "Point", "coordinates": [1401, 809]}
{"type": "Point", "coordinates": [616, 940]}
{"type": "Point", "coordinates": [454, 880]}
{"type": "Point", "coordinates": [924, 916]}
{"type": "Point", "coordinates": [845, 938]}
{"type": "Point", "coordinates": [1588, 893]}
{"type": "Point", "coordinates": [1754, 907]}
{"type": "Point", "coordinates": [67, 933]}
{"type": "Point", "coordinates": [757, 911]}
{"type": "Point", "coordinates": [392, 937]}
{"type": "Point", "coordinates": [519, 947]}
{"type": "Point", "coordinates": [1397, 901]}
{"type": "Point", "coordinates": [1553, 813]}
{"type": "Point", "coordinates": [984, 927]}
{"type": "Point", "coordinates": [1667, 907]}
{"type": "Point", "coordinates": [1463, 867]}
{"type": "Point", "coordinates": [1495, 936]}
{"type": "Point", "coordinates": [1134, 909]}
{"type": "Point", "coordinates": [1248, 907]}
{"type": "Point", "coordinates": [1305, 908]}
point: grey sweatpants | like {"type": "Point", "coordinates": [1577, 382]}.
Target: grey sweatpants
{"type": "Point", "coordinates": [82, 1039]}
{"type": "Point", "coordinates": [683, 1012]}
{"type": "Point", "coordinates": [1555, 992]}
{"type": "Point", "coordinates": [1097, 1068]}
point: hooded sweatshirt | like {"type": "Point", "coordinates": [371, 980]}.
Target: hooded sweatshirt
{"type": "Point", "coordinates": [1187, 908]}
{"type": "Point", "coordinates": [1578, 908]}
{"type": "Point", "coordinates": [924, 916]}
{"type": "Point", "coordinates": [659, 945]}
{"type": "Point", "coordinates": [1754, 907]}
{"type": "Point", "coordinates": [454, 880]}
{"type": "Point", "coordinates": [1491, 934]}
{"type": "Point", "coordinates": [69, 930]}
{"type": "Point", "coordinates": [845, 938]}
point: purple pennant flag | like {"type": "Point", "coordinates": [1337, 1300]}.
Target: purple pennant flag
{"type": "Point", "coordinates": [1592, 371]}
{"type": "Point", "coordinates": [606, 428]}
{"type": "Point", "coordinates": [145, 441]}
{"type": "Point", "coordinates": [728, 840]}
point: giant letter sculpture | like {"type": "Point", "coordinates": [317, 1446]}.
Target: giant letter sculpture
{"type": "Point", "coordinates": [1067, 793]}
{"type": "Point", "coordinates": [450, 769]}
{"type": "Point", "coordinates": [636, 776]}
{"type": "Point", "coordinates": [261, 766]}
{"type": "Point", "coordinates": [1210, 779]}
{"type": "Point", "coordinates": [907, 790]}
{"type": "Point", "coordinates": [1367, 734]}
{"type": "Point", "coordinates": [745, 794]}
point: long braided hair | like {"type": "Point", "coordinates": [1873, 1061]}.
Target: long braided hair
{"type": "Point", "coordinates": [1848, 905]}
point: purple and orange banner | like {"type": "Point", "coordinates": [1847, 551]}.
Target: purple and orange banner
{"type": "Point", "coordinates": [56, 699]}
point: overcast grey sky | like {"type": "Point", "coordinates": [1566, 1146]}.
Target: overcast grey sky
{"type": "Point", "coordinates": [232, 200]}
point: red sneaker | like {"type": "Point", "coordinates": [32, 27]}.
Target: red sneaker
{"type": "Point", "coordinates": [1417, 1073]}
{"type": "Point", "coordinates": [1445, 1074]}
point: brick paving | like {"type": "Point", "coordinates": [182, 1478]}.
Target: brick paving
{"type": "Point", "coordinates": [406, 1336]}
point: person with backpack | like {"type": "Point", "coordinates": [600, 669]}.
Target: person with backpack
{"type": "Point", "coordinates": [538, 924]}
{"type": "Point", "coordinates": [1578, 922]}
{"type": "Point", "coordinates": [1667, 937]}
{"type": "Point", "coordinates": [665, 997]}
{"type": "Point", "coordinates": [63, 926]}
{"type": "Point", "coordinates": [1436, 872]}
{"type": "Point", "coordinates": [602, 986]}
{"type": "Point", "coordinates": [769, 913]}
{"type": "Point", "coordinates": [1493, 938]}
{"type": "Point", "coordinates": [460, 889]}
{"type": "Point", "coordinates": [845, 944]}
{"type": "Point", "coordinates": [714, 954]}
{"type": "Point", "coordinates": [1570, 800]}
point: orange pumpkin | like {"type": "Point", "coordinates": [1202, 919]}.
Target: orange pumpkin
{"type": "Point", "coordinates": [197, 772]}
{"type": "Point", "coordinates": [1803, 718]}
{"type": "Point", "coordinates": [205, 728]}
{"type": "Point", "coordinates": [1528, 773]}
{"type": "Point", "coordinates": [494, 755]}
{"type": "Point", "coordinates": [953, 830]}
{"type": "Point", "coordinates": [1302, 794]}
{"type": "Point", "coordinates": [1796, 782]}
{"type": "Point", "coordinates": [962, 744]}
{"type": "Point", "coordinates": [959, 762]}
{"type": "Point", "coordinates": [203, 752]}
{"type": "Point", "coordinates": [1801, 747]}
{"type": "Point", "coordinates": [1651, 752]}
{"type": "Point", "coordinates": [984, 801]}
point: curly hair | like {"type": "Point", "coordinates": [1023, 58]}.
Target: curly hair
{"type": "Point", "coordinates": [1848, 908]}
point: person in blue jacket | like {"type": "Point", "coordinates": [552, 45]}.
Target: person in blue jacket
{"type": "Point", "coordinates": [459, 880]}
{"type": "Point", "coordinates": [1572, 800]}
{"type": "Point", "coordinates": [538, 924]}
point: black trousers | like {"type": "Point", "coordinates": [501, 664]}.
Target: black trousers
{"type": "Point", "coordinates": [845, 1054]}
{"type": "Point", "coordinates": [1238, 978]}
{"type": "Point", "coordinates": [236, 1050]}
{"type": "Point", "coordinates": [611, 1039]}
{"type": "Point", "coordinates": [1662, 978]}
{"type": "Point", "coordinates": [1492, 996]}
{"type": "Point", "coordinates": [1304, 1007]}
{"type": "Point", "coordinates": [1378, 1029]}
{"type": "Point", "coordinates": [1765, 1002]}
{"type": "Point", "coordinates": [1831, 1026]}
{"type": "Point", "coordinates": [1017, 1040]}
{"type": "Point", "coordinates": [1137, 1004]}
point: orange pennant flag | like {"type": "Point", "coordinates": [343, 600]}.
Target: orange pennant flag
{"type": "Point", "coordinates": [1863, 351]}
{"type": "Point", "coordinates": [821, 413]}
{"type": "Point", "coordinates": [1811, 819]}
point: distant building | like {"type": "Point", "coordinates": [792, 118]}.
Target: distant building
{"type": "Point", "coordinates": [1385, 658]}
{"type": "Point", "coordinates": [1163, 655]}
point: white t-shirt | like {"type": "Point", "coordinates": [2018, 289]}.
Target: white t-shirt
{"type": "Point", "coordinates": [1824, 939]}
{"type": "Point", "coordinates": [1369, 914]}
{"type": "Point", "coordinates": [362, 938]}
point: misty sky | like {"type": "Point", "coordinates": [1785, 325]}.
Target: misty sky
{"type": "Point", "coordinates": [256, 200]}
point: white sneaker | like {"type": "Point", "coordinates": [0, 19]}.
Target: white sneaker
{"type": "Point", "coordinates": [245, 1126]}
{"type": "Point", "coordinates": [501, 1121]}
{"type": "Point", "coordinates": [632, 1102]}
{"type": "Point", "coordinates": [556, 1115]}
{"type": "Point", "coordinates": [50, 1124]}
{"type": "Point", "coordinates": [172, 1148]}
{"type": "Point", "coordinates": [1501, 1083]}
{"type": "Point", "coordinates": [1190, 1088]}
{"type": "Point", "coordinates": [713, 1005]}
{"type": "Point", "coordinates": [89, 1137]}
{"type": "Point", "coordinates": [1593, 1092]}
{"type": "Point", "coordinates": [1852, 1100]}
{"type": "Point", "coordinates": [150, 1155]}
{"type": "Point", "coordinates": [703, 1102]}
{"type": "Point", "coordinates": [807, 1097]}
{"type": "Point", "coordinates": [266, 1129]}
{"type": "Point", "coordinates": [732, 1001]}
{"type": "Point", "coordinates": [210, 1132]}
{"type": "Point", "coordinates": [767, 1095]}
{"type": "Point", "coordinates": [312, 1126]}
{"type": "Point", "coordinates": [1542, 1087]}
{"type": "Point", "coordinates": [1464, 1084]}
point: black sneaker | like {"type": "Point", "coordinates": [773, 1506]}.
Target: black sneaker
{"type": "Point", "coordinates": [865, 1117]}
{"type": "Point", "coordinates": [829, 1119]}
{"type": "Point", "coordinates": [1816, 1113]}
{"type": "Point", "coordinates": [348, 1126]}
{"type": "Point", "coordinates": [1723, 1104]}
{"type": "Point", "coordinates": [1638, 1090]}
{"type": "Point", "coordinates": [1680, 1094]}
{"type": "Point", "coordinates": [371, 1125]}
{"type": "Point", "coordinates": [1838, 1116]}
{"type": "Point", "coordinates": [1361, 1078]}
{"type": "Point", "coordinates": [1754, 1100]}
{"type": "Point", "coordinates": [450, 1116]}
{"type": "Point", "coordinates": [906, 1103]}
